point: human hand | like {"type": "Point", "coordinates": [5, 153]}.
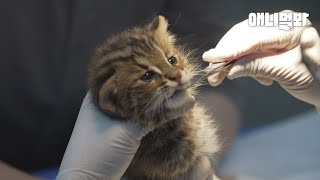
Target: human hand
{"type": "Point", "coordinates": [292, 58]}
{"type": "Point", "coordinates": [100, 147]}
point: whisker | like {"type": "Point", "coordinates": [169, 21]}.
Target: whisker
{"type": "Point", "coordinates": [176, 21]}
{"type": "Point", "coordinates": [183, 38]}
{"type": "Point", "coordinates": [169, 105]}
{"type": "Point", "coordinates": [157, 104]}
{"type": "Point", "coordinates": [161, 108]}
{"type": "Point", "coordinates": [199, 47]}
{"type": "Point", "coordinates": [148, 104]}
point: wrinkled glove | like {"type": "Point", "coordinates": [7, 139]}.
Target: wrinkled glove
{"type": "Point", "coordinates": [103, 148]}
{"type": "Point", "coordinates": [292, 58]}
{"type": "Point", "coordinates": [100, 147]}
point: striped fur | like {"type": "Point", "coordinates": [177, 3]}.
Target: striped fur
{"type": "Point", "coordinates": [173, 149]}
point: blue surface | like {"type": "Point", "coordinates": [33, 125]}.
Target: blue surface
{"type": "Point", "coordinates": [288, 150]}
{"type": "Point", "coordinates": [49, 174]}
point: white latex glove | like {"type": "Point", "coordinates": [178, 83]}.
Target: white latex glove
{"type": "Point", "coordinates": [99, 148]}
{"type": "Point", "coordinates": [103, 148]}
{"type": "Point", "coordinates": [292, 58]}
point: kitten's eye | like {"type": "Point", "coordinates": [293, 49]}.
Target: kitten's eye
{"type": "Point", "coordinates": [147, 76]}
{"type": "Point", "coordinates": [172, 60]}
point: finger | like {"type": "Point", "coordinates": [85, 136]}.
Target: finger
{"type": "Point", "coordinates": [242, 40]}
{"type": "Point", "coordinates": [269, 66]}
{"type": "Point", "coordinates": [245, 66]}
{"type": "Point", "coordinates": [264, 81]}
{"type": "Point", "coordinates": [261, 64]}
{"type": "Point", "coordinates": [216, 79]}
{"type": "Point", "coordinates": [215, 56]}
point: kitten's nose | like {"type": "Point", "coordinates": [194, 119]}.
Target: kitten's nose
{"type": "Point", "coordinates": [176, 76]}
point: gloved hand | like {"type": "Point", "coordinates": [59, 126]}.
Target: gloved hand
{"type": "Point", "coordinates": [292, 58]}
{"type": "Point", "coordinates": [99, 148]}
{"type": "Point", "coordinates": [102, 148]}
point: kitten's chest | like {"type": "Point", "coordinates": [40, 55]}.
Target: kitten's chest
{"type": "Point", "coordinates": [171, 151]}
{"type": "Point", "coordinates": [168, 150]}
{"type": "Point", "coordinates": [169, 139]}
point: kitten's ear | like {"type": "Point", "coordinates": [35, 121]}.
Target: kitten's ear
{"type": "Point", "coordinates": [159, 24]}
{"type": "Point", "coordinates": [108, 99]}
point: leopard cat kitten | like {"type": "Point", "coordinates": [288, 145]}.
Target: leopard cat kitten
{"type": "Point", "coordinates": [142, 75]}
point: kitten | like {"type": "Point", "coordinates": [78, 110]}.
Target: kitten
{"type": "Point", "coordinates": [142, 75]}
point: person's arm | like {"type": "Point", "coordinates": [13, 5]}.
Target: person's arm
{"type": "Point", "coordinates": [292, 58]}
{"type": "Point", "coordinates": [9, 172]}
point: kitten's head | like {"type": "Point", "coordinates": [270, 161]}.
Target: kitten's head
{"type": "Point", "coordinates": [141, 73]}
